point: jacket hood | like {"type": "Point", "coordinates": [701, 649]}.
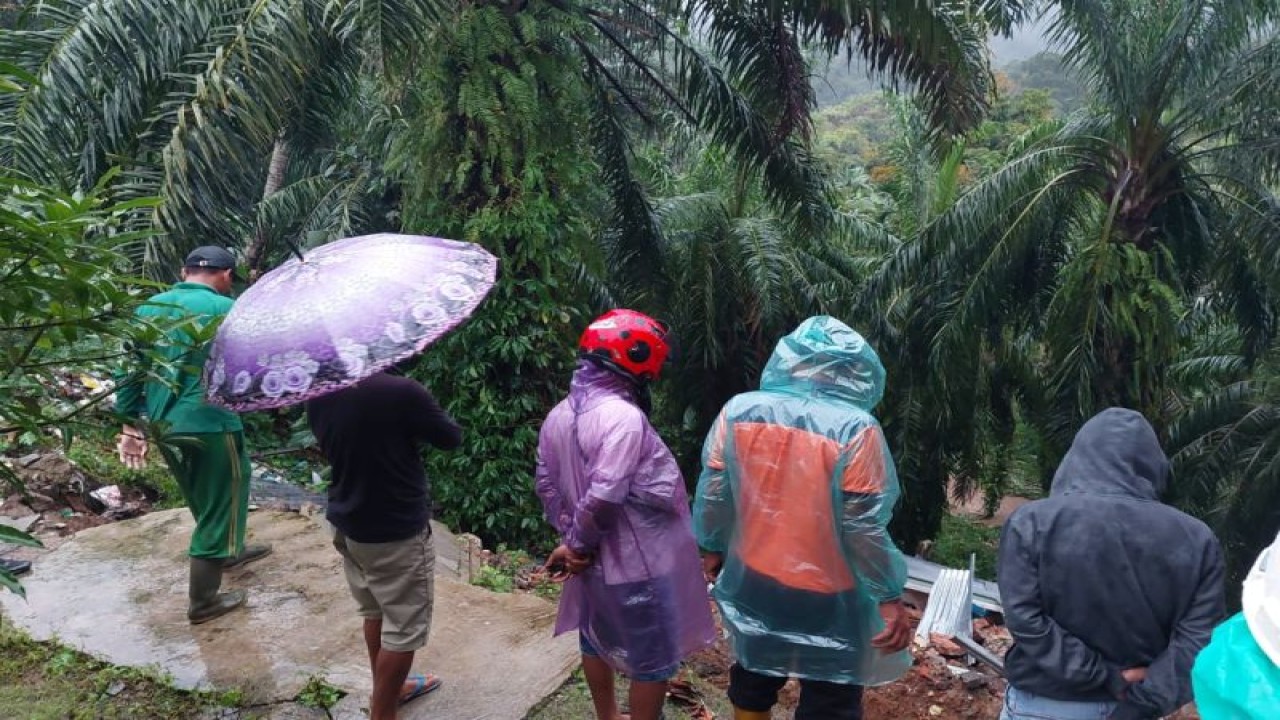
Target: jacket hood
{"type": "Point", "coordinates": [592, 383]}
{"type": "Point", "coordinates": [1115, 453]}
{"type": "Point", "coordinates": [826, 356]}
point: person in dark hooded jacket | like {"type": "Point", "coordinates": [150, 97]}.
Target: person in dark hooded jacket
{"type": "Point", "coordinates": [1109, 593]}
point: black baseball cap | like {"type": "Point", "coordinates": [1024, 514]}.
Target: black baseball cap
{"type": "Point", "coordinates": [211, 257]}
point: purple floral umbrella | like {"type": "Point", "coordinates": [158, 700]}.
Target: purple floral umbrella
{"type": "Point", "coordinates": [341, 313]}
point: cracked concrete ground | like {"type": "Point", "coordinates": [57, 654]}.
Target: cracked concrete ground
{"type": "Point", "coordinates": [118, 592]}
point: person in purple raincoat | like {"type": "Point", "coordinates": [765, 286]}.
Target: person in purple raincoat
{"type": "Point", "coordinates": [634, 588]}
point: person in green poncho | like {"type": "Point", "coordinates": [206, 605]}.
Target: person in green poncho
{"type": "Point", "coordinates": [209, 459]}
{"type": "Point", "coordinates": [792, 513]}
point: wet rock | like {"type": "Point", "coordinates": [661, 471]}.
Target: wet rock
{"type": "Point", "coordinates": [14, 507]}
{"type": "Point", "coordinates": [945, 646]}
{"type": "Point", "coordinates": [350, 708]}
{"type": "Point", "coordinates": [52, 473]}
{"type": "Point", "coordinates": [973, 680]}
{"type": "Point", "coordinates": [40, 502]}
{"type": "Point", "coordinates": [998, 640]}
{"type": "Point", "coordinates": [220, 714]}
{"type": "Point", "coordinates": [22, 524]}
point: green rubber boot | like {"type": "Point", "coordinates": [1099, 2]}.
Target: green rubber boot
{"type": "Point", "coordinates": [206, 602]}
{"type": "Point", "coordinates": [248, 555]}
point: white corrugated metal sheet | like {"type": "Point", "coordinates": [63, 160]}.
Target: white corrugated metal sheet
{"type": "Point", "coordinates": [922, 574]}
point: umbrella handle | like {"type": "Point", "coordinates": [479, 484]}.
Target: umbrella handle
{"type": "Point", "coordinates": [293, 246]}
{"type": "Point", "coordinates": [255, 273]}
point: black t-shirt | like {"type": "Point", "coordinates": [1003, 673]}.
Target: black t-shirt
{"type": "Point", "coordinates": [370, 433]}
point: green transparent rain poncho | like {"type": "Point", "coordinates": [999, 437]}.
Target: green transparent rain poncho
{"type": "Point", "coordinates": [797, 490]}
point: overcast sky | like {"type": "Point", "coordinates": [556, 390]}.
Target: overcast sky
{"type": "Point", "coordinates": [1026, 41]}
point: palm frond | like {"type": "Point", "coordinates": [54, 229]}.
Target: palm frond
{"type": "Point", "coordinates": [634, 238]}
{"type": "Point", "coordinates": [937, 47]}
{"type": "Point", "coordinates": [391, 32]}
{"type": "Point", "coordinates": [706, 94]}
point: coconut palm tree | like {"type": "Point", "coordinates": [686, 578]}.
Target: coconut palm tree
{"type": "Point", "coordinates": [203, 103]}
{"type": "Point", "coordinates": [1225, 441]}
{"type": "Point", "coordinates": [207, 103]}
{"type": "Point", "coordinates": [1076, 263]}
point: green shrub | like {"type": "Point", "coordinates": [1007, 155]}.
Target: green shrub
{"type": "Point", "coordinates": [961, 537]}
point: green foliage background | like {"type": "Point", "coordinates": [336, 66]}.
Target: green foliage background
{"type": "Point", "coordinates": [1088, 227]}
{"type": "Point", "coordinates": [501, 161]}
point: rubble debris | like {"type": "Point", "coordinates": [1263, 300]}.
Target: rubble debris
{"type": "Point", "coordinates": [946, 645]}
{"type": "Point", "coordinates": [21, 524]}
{"type": "Point", "coordinates": [109, 497]}
{"type": "Point", "coordinates": [982, 654]}
{"type": "Point", "coordinates": [973, 680]}
{"type": "Point", "coordinates": [56, 495]}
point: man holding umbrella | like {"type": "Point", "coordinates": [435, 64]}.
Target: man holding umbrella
{"type": "Point", "coordinates": [379, 510]}
{"type": "Point", "coordinates": [209, 459]}
{"type": "Point", "coordinates": [333, 329]}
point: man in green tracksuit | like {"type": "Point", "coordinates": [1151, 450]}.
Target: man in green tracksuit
{"type": "Point", "coordinates": [209, 459]}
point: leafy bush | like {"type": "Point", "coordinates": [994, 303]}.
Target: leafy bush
{"type": "Point", "coordinates": [492, 578]}
{"type": "Point", "coordinates": [67, 301]}
{"type": "Point", "coordinates": [961, 537]}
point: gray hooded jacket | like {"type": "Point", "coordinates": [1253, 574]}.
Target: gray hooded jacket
{"type": "Point", "coordinates": [1101, 577]}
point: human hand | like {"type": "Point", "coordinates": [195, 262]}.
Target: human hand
{"type": "Point", "coordinates": [711, 565]}
{"type": "Point", "coordinates": [1134, 675]}
{"type": "Point", "coordinates": [131, 447]}
{"type": "Point", "coordinates": [564, 563]}
{"type": "Point", "coordinates": [897, 629]}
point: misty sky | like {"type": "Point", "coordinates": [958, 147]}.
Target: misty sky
{"type": "Point", "coordinates": [1026, 41]}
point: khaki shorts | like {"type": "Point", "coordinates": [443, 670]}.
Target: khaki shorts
{"type": "Point", "coordinates": [393, 581]}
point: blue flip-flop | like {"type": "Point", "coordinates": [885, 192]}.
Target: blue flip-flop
{"type": "Point", "coordinates": [422, 684]}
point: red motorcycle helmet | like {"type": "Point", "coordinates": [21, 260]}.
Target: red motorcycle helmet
{"type": "Point", "coordinates": [628, 342]}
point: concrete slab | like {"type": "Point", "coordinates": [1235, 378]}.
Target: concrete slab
{"type": "Point", "coordinates": [118, 592]}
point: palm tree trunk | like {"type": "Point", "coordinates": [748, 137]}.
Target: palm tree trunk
{"type": "Point", "coordinates": [255, 255]}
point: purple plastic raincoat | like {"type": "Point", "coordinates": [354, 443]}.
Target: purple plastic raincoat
{"type": "Point", "coordinates": [613, 490]}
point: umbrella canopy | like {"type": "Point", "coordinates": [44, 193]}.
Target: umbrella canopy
{"type": "Point", "coordinates": [341, 313]}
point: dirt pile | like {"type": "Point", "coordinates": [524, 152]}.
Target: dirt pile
{"type": "Point", "coordinates": [936, 686]}
{"type": "Point", "coordinates": [54, 496]}
{"type": "Point", "coordinates": [942, 684]}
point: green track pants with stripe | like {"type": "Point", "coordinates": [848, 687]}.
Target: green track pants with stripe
{"type": "Point", "coordinates": [213, 471]}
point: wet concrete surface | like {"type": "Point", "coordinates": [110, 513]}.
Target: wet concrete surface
{"type": "Point", "coordinates": [119, 592]}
